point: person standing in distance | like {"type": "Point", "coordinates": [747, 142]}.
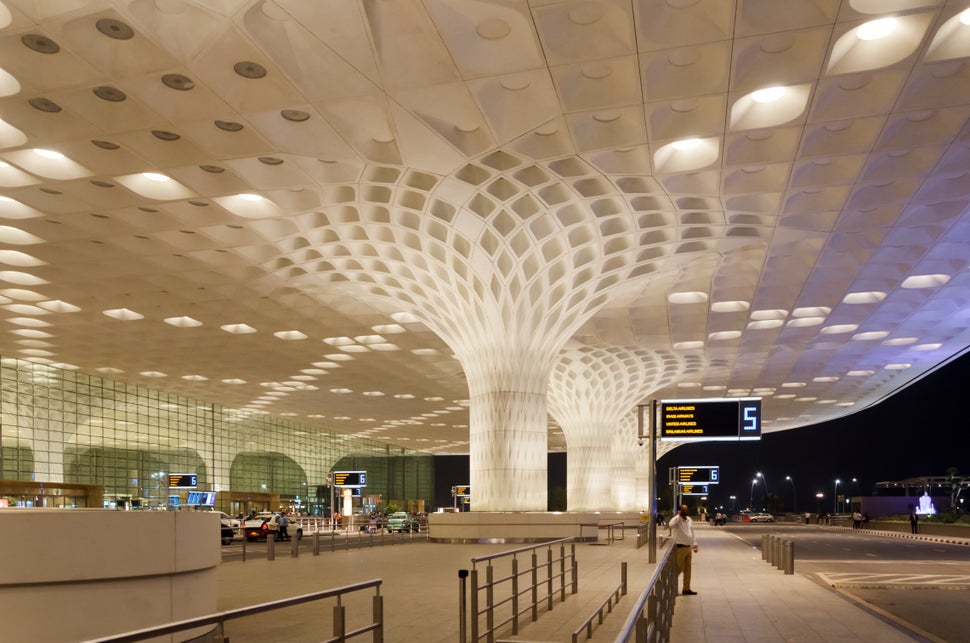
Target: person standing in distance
{"type": "Point", "coordinates": [682, 531]}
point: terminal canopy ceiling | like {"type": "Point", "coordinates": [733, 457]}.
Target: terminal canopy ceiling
{"type": "Point", "coordinates": [286, 206]}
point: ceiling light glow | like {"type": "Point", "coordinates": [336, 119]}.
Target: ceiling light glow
{"type": "Point", "coordinates": [876, 29]}
{"type": "Point", "coordinates": [768, 94]}
{"type": "Point", "coordinates": [686, 144]}
{"type": "Point", "coordinates": [48, 154]}
{"type": "Point", "coordinates": [155, 176]}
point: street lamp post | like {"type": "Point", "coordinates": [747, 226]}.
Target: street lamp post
{"type": "Point", "coordinates": [835, 498]}
{"type": "Point", "coordinates": [751, 497]}
{"type": "Point", "coordinates": [794, 498]}
{"type": "Point", "coordinates": [764, 481]}
{"type": "Point", "coordinates": [733, 498]}
{"type": "Point", "coordinates": [818, 502]}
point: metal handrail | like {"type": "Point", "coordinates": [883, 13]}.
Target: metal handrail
{"type": "Point", "coordinates": [657, 599]}
{"type": "Point", "coordinates": [611, 600]}
{"type": "Point", "coordinates": [512, 552]}
{"type": "Point", "coordinates": [220, 618]}
{"type": "Point", "coordinates": [531, 586]}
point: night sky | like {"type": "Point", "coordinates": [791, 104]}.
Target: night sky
{"type": "Point", "coordinates": [921, 431]}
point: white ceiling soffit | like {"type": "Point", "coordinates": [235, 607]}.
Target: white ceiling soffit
{"type": "Point", "coordinates": [283, 206]}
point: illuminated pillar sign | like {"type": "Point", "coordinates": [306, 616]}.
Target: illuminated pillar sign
{"type": "Point", "coordinates": [182, 480]}
{"type": "Point", "coordinates": [723, 419]}
{"type": "Point", "coordinates": [698, 475]}
{"type": "Point", "coordinates": [349, 479]}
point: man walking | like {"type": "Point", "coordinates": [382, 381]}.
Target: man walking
{"type": "Point", "coordinates": [682, 531]}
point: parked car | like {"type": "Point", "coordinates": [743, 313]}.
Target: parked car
{"type": "Point", "coordinates": [229, 521]}
{"type": "Point", "coordinates": [227, 534]}
{"type": "Point", "coordinates": [266, 523]}
{"type": "Point", "coordinates": [401, 521]}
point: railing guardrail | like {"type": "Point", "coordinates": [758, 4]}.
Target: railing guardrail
{"type": "Point", "coordinates": [606, 606]}
{"type": "Point", "coordinates": [510, 604]}
{"type": "Point", "coordinates": [653, 613]}
{"type": "Point", "coordinates": [219, 618]}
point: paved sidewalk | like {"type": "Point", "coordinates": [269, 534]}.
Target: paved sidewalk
{"type": "Point", "coordinates": [743, 598]}
{"type": "Point", "coordinates": [740, 596]}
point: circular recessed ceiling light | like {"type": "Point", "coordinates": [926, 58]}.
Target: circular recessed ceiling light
{"type": "Point", "coordinates": [44, 104]}
{"type": "Point", "coordinates": [165, 135]}
{"type": "Point", "coordinates": [109, 93]}
{"type": "Point", "coordinates": [248, 69]}
{"type": "Point", "coordinates": [212, 169]}
{"type": "Point", "coordinates": [229, 126]}
{"type": "Point", "coordinates": [105, 145]}
{"type": "Point", "coordinates": [114, 29]}
{"type": "Point", "coordinates": [876, 29]}
{"type": "Point", "coordinates": [768, 94]}
{"type": "Point", "coordinates": [295, 115]}
{"type": "Point", "coordinates": [178, 81]}
{"type": "Point", "coordinates": [40, 44]}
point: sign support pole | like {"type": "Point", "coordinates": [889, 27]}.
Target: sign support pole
{"type": "Point", "coordinates": [651, 476]}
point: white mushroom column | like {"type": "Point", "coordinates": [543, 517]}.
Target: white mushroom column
{"type": "Point", "coordinates": [590, 392]}
{"type": "Point", "coordinates": [504, 260]}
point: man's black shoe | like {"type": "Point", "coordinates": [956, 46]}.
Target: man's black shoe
{"type": "Point", "coordinates": [689, 592]}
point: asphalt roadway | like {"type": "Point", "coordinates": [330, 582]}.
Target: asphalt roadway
{"type": "Point", "coordinates": [923, 586]}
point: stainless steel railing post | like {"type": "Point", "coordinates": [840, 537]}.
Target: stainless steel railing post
{"type": "Point", "coordinates": [462, 605]}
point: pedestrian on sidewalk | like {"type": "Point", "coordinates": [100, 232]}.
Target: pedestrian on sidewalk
{"type": "Point", "coordinates": [913, 522]}
{"type": "Point", "coordinates": [685, 544]}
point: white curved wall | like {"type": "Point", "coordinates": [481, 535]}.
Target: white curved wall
{"type": "Point", "coordinates": [72, 575]}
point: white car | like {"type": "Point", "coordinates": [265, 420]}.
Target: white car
{"type": "Point", "coordinates": [266, 523]}
{"type": "Point", "coordinates": [756, 516]}
{"type": "Point", "coordinates": [229, 521]}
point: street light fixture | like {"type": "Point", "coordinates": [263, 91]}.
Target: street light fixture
{"type": "Point", "coordinates": [835, 497]}
{"type": "Point", "coordinates": [751, 497]}
{"type": "Point", "coordinates": [794, 498]}
{"type": "Point", "coordinates": [765, 481]}
{"type": "Point", "coordinates": [818, 502]}
{"type": "Point", "coordinates": [733, 498]}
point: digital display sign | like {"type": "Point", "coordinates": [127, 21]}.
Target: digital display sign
{"type": "Point", "coordinates": [698, 475]}
{"type": "Point", "coordinates": [461, 491]}
{"type": "Point", "coordinates": [183, 480]}
{"type": "Point", "coordinates": [693, 490]}
{"type": "Point", "coordinates": [723, 419]}
{"type": "Point", "coordinates": [349, 479]}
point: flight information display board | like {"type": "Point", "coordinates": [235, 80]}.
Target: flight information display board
{"type": "Point", "coordinates": [349, 479]}
{"type": "Point", "coordinates": [722, 419]}
{"type": "Point", "coordinates": [182, 480]}
{"type": "Point", "coordinates": [693, 490]}
{"type": "Point", "coordinates": [698, 475]}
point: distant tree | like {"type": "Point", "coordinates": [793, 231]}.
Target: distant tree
{"type": "Point", "coordinates": [957, 484]}
{"type": "Point", "coordinates": [557, 499]}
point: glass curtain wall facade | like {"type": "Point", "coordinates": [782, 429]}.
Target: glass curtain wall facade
{"type": "Point", "coordinates": [61, 428]}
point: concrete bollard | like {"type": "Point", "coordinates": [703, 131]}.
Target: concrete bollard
{"type": "Point", "coordinates": [270, 547]}
{"type": "Point", "coordinates": [777, 553]}
{"type": "Point", "coordinates": [764, 546]}
{"type": "Point", "coordinates": [788, 557]}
